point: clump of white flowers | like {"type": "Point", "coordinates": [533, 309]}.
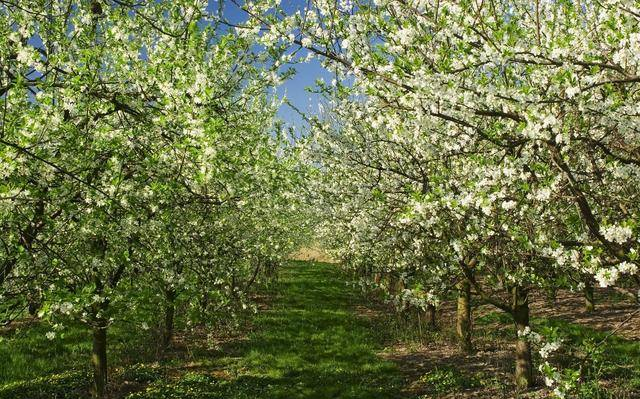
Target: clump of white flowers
{"type": "Point", "coordinates": [548, 348]}
{"type": "Point", "coordinates": [627, 268]}
{"type": "Point", "coordinates": [416, 298]}
{"type": "Point", "coordinates": [529, 335]}
{"type": "Point", "coordinates": [508, 205]}
{"type": "Point", "coordinates": [617, 234]}
{"type": "Point", "coordinates": [553, 377]}
{"type": "Point", "coordinates": [608, 277]}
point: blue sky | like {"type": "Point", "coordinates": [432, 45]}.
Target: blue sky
{"type": "Point", "coordinates": [307, 73]}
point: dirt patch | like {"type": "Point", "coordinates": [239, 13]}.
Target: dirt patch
{"type": "Point", "coordinates": [437, 368]}
{"type": "Point", "coordinates": [368, 312]}
{"type": "Point", "coordinates": [122, 389]}
{"type": "Point", "coordinates": [312, 254]}
{"type": "Point", "coordinates": [484, 374]}
{"type": "Point", "coordinates": [13, 325]}
{"type": "Point", "coordinates": [610, 314]}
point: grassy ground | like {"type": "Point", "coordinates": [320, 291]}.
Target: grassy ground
{"type": "Point", "coordinates": [316, 337]}
{"type": "Point", "coordinates": [307, 342]}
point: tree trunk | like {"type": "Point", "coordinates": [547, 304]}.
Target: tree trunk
{"type": "Point", "coordinates": [551, 296]}
{"type": "Point", "coordinates": [524, 366]}
{"type": "Point", "coordinates": [399, 286]}
{"type": "Point", "coordinates": [463, 322]}
{"type": "Point", "coordinates": [204, 302]}
{"type": "Point", "coordinates": [99, 359]}
{"type": "Point", "coordinates": [391, 284]}
{"type": "Point", "coordinates": [169, 314]}
{"type": "Point", "coordinates": [433, 315]}
{"type": "Point", "coordinates": [589, 302]}
{"type": "Point", "coordinates": [99, 351]}
{"type": "Point", "coordinates": [33, 307]}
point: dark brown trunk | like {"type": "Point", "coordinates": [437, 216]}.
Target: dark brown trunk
{"type": "Point", "coordinates": [169, 315]}
{"type": "Point", "coordinates": [463, 322]}
{"type": "Point", "coordinates": [99, 326]}
{"type": "Point", "coordinates": [204, 302]}
{"type": "Point", "coordinates": [551, 296]}
{"type": "Point", "coordinates": [99, 359]}
{"type": "Point", "coordinates": [391, 284]}
{"type": "Point", "coordinates": [34, 306]}
{"type": "Point", "coordinates": [589, 301]}
{"type": "Point", "coordinates": [432, 316]}
{"type": "Point", "coordinates": [524, 366]}
{"type": "Point", "coordinates": [399, 286]}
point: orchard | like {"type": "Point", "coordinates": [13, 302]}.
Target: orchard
{"type": "Point", "coordinates": [457, 215]}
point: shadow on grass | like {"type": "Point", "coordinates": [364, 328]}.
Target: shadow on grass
{"type": "Point", "coordinates": [308, 344]}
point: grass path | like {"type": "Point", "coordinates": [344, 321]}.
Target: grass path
{"type": "Point", "coordinates": [309, 343]}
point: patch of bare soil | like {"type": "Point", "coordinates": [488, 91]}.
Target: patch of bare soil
{"type": "Point", "coordinates": [121, 389]}
{"type": "Point", "coordinates": [262, 301]}
{"type": "Point", "coordinates": [312, 254]}
{"type": "Point", "coordinates": [610, 313]}
{"type": "Point", "coordinates": [488, 372]}
{"type": "Point", "coordinates": [13, 325]}
{"type": "Point", "coordinates": [485, 373]}
{"type": "Point", "coordinates": [190, 352]}
{"type": "Point", "coordinates": [370, 312]}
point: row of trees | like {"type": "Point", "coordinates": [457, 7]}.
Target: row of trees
{"type": "Point", "coordinates": [488, 148]}
{"type": "Point", "coordinates": [141, 165]}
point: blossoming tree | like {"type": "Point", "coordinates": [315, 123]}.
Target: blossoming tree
{"type": "Point", "coordinates": [138, 148]}
{"type": "Point", "coordinates": [505, 130]}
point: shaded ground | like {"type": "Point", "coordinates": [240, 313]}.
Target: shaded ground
{"type": "Point", "coordinates": [306, 341]}
{"type": "Point", "coordinates": [435, 367]}
{"type": "Point", "coordinates": [314, 336]}
{"type": "Point", "coordinates": [310, 344]}
{"type": "Point", "coordinates": [611, 312]}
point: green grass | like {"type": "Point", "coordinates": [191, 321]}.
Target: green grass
{"type": "Point", "coordinates": [309, 343]}
{"type": "Point", "coordinates": [26, 353]}
{"type": "Point", "coordinates": [34, 367]}
{"type": "Point", "coordinates": [446, 380]}
{"type": "Point", "coordinates": [621, 357]}
{"type": "Point", "coordinates": [617, 359]}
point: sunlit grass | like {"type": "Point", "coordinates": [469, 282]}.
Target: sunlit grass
{"type": "Point", "coordinates": [309, 343]}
